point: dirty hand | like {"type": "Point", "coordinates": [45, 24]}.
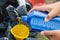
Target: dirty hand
{"type": "Point", "coordinates": [53, 9]}
{"type": "Point", "coordinates": [52, 35]}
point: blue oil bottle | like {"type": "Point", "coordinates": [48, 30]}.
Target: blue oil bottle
{"type": "Point", "coordinates": [36, 21]}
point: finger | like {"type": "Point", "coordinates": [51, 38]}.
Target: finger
{"type": "Point", "coordinates": [35, 8]}
{"type": "Point", "coordinates": [52, 14]}
{"type": "Point", "coordinates": [48, 33]}
{"type": "Point", "coordinates": [48, 7]}
{"type": "Point", "coordinates": [49, 37]}
{"type": "Point", "coordinates": [40, 8]}
{"type": "Point", "coordinates": [31, 10]}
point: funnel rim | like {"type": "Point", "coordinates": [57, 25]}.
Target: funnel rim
{"type": "Point", "coordinates": [19, 36]}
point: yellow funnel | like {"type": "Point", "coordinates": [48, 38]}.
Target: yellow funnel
{"type": "Point", "coordinates": [20, 31]}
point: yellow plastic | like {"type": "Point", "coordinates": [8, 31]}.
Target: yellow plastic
{"type": "Point", "coordinates": [20, 31]}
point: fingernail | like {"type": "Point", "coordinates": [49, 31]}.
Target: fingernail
{"type": "Point", "coordinates": [42, 33]}
{"type": "Point", "coordinates": [47, 18]}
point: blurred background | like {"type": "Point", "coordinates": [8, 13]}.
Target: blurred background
{"type": "Point", "coordinates": [51, 1]}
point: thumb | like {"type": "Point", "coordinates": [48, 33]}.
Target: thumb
{"type": "Point", "coordinates": [47, 33]}
{"type": "Point", "coordinates": [54, 12]}
{"type": "Point", "coordinates": [42, 8]}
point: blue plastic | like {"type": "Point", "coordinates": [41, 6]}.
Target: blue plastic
{"type": "Point", "coordinates": [36, 21]}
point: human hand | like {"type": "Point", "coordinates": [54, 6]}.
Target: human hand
{"type": "Point", "coordinates": [53, 9]}
{"type": "Point", "coordinates": [52, 35]}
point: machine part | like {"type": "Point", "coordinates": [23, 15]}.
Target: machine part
{"type": "Point", "coordinates": [2, 33]}
{"type": "Point", "coordinates": [12, 14]}
{"type": "Point", "coordinates": [8, 29]}
{"type": "Point", "coordinates": [4, 38]}
{"type": "Point", "coordinates": [19, 19]}
{"type": "Point", "coordinates": [11, 37]}
{"type": "Point", "coordinates": [22, 7]}
{"type": "Point", "coordinates": [28, 6]}
{"type": "Point", "coordinates": [3, 5]}
{"type": "Point", "coordinates": [33, 34]}
{"type": "Point", "coordinates": [3, 14]}
{"type": "Point", "coordinates": [21, 10]}
{"type": "Point", "coordinates": [10, 9]}
{"type": "Point", "coordinates": [32, 39]}
{"type": "Point", "coordinates": [21, 3]}
{"type": "Point", "coordinates": [3, 27]}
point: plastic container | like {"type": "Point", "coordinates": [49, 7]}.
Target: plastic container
{"type": "Point", "coordinates": [36, 21]}
{"type": "Point", "coordinates": [20, 31]}
{"type": "Point", "coordinates": [37, 2]}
